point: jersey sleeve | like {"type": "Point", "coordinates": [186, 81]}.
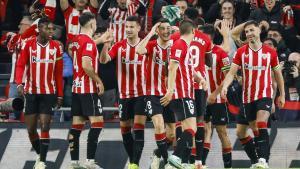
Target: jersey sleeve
{"type": "Point", "coordinates": [224, 62]}
{"type": "Point", "coordinates": [274, 60]}
{"type": "Point", "coordinates": [149, 48]}
{"type": "Point", "coordinates": [176, 52]}
{"type": "Point", "coordinates": [208, 46]}
{"type": "Point", "coordinates": [113, 52]}
{"type": "Point", "coordinates": [237, 58]}
{"type": "Point", "coordinates": [88, 50]}
{"type": "Point", "coordinates": [22, 62]}
{"type": "Point", "coordinates": [59, 71]}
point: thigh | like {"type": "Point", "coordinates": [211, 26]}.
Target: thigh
{"type": "Point", "coordinates": [153, 106]}
{"type": "Point", "coordinates": [76, 109]}
{"type": "Point", "coordinates": [46, 103]}
{"type": "Point", "coordinates": [183, 108]}
{"type": "Point", "coordinates": [219, 114]}
{"type": "Point", "coordinates": [91, 105]}
{"type": "Point", "coordinates": [31, 104]}
{"type": "Point", "coordinates": [126, 111]}
{"type": "Point", "coordinates": [200, 102]}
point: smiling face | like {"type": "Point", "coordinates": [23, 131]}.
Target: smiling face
{"type": "Point", "coordinates": [252, 33]}
{"type": "Point", "coordinates": [132, 29]}
{"type": "Point", "coordinates": [182, 5]}
{"type": "Point", "coordinates": [227, 10]}
{"type": "Point", "coordinates": [164, 31]}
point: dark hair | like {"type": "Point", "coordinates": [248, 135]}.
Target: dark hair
{"type": "Point", "coordinates": [163, 20]}
{"type": "Point", "coordinates": [191, 13]}
{"type": "Point", "coordinates": [133, 19]}
{"type": "Point", "coordinates": [274, 29]}
{"type": "Point", "coordinates": [182, 0]}
{"type": "Point", "coordinates": [43, 21]}
{"type": "Point", "coordinates": [229, 1]}
{"type": "Point", "coordinates": [251, 22]}
{"type": "Point", "coordinates": [85, 18]}
{"type": "Point", "coordinates": [208, 29]}
{"type": "Point", "coordinates": [186, 26]}
{"type": "Point", "coordinates": [272, 40]}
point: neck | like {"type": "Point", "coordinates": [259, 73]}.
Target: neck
{"type": "Point", "coordinates": [162, 43]}
{"type": "Point", "coordinates": [79, 8]}
{"type": "Point", "coordinates": [86, 32]}
{"type": "Point", "coordinates": [269, 8]}
{"type": "Point", "coordinates": [42, 41]}
{"type": "Point", "coordinates": [256, 45]}
{"type": "Point", "coordinates": [187, 38]}
{"type": "Point", "coordinates": [133, 41]}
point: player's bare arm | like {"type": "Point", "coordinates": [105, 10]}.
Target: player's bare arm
{"type": "Point", "coordinates": [64, 4]}
{"type": "Point", "coordinates": [141, 47]}
{"type": "Point", "coordinates": [280, 83]}
{"type": "Point", "coordinates": [228, 79]}
{"type": "Point", "coordinates": [173, 66]}
{"type": "Point", "coordinates": [104, 57]}
{"type": "Point", "coordinates": [89, 70]}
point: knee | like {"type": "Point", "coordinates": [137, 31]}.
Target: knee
{"type": "Point", "coordinates": [222, 132]}
{"type": "Point", "coordinates": [45, 127]}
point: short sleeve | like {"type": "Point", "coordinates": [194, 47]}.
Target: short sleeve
{"type": "Point", "coordinates": [113, 52]}
{"type": "Point", "coordinates": [208, 46]}
{"type": "Point", "coordinates": [149, 48]}
{"type": "Point", "coordinates": [176, 53]}
{"type": "Point", "coordinates": [274, 60]}
{"type": "Point", "coordinates": [88, 49]}
{"type": "Point", "coordinates": [237, 58]}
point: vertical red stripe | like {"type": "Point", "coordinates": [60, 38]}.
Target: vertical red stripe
{"type": "Point", "coordinates": [42, 69]}
{"type": "Point", "coordinates": [123, 73]}
{"type": "Point", "coordinates": [254, 74]}
{"type": "Point", "coordinates": [156, 72]}
{"type": "Point", "coordinates": [33, 69]}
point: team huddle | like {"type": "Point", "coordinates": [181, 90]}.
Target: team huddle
{"type": "Point", "coordinates": [180, 80]}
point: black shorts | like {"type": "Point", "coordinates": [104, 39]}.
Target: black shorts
{"type": "Point", "coordinates": [169, 115]}
{"type": "Point", "coordinates": [200, 101]}
{"type": "Point", "coordinates": [183, 108]}
{"type": "Point", "coordinates": [86, 105]}
{"type": "Point", "coordinates": [217, 113]}
{"type": "Point", "coordinates": [39, 103]}
{"type": "Point", "coordinates": [252, 108]}
{"type": "Point", "coordinates": [132, 106]}
{"type": "Point", "coordinates": [241, 117]}
{"type": "Point", "coordinates": [153, 105]}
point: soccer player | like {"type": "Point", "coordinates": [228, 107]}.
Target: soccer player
{"type": "Point", "coordinates": [72, 14]}
{"type": "Point", "coordinates": [87, 86]}
{"type": "Point", "coordinates": [118, 15]}
{"type": "Point", "coordinates": [131, 72]}
{"type": "Point", "coordinates": [180, 91]}
{"type": "Point", "coordinates": [43, 86]}
{"type": "Point", "coordinates": [257, 61]}
{"type": "Point", "coordinates": [157, 52]}
{"type": "Point", "coordinates": [201, 51]}
{"type": "Point", "coordinates": [217, 111]}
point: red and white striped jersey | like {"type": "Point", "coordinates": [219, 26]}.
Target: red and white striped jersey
{"type": "Point", "coordinates": [184, 82]}
{"type": "Point", "coordinates": [131, 69]}
{"type": "Point", "coordinates": [72, 15]}
{"type": "Point", "coordinates": [14, 46]}
{"type": "Point", "coordinates": [83, 46]}
{"type": "Point", "coordinates": [118, 18]}
{"type": "Point", "coordinates": [214, 74]}
{"type": "Point", "coordinates": [50, 8]}
{"type": "Point", "coordinates": [200, 45]}
{"type": "Point", "coordinates": [256, 69]}
{"type": "Point", "coordinates": [157, 58]}
{"type": "Point", "coordinates": [45, 67]}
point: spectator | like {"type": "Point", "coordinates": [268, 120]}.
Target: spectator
{"type": "Point", "coordinates": [71, 14]}
{"type": "Point", "coordinates": [282, 50]}
{"type": "Point", "coordinates": [237, 11]}
{"type": "Point", "coordinates": [118, 15]}
{"type": "Point", "coordinates": [271, 13]}
{"type": "Point", "coordinates": [270, 42]}
{"type": "Point", "coordinates": [295, 6]}
{"type": "Point", "coordinates": [291, 71]}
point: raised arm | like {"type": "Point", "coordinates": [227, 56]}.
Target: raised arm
{"type": "Point", "coordinates": [94, 3]}
{"type": "Point", "coordinates": [141, 47]}
{"type": "Point", "coordinates": [64, 4]}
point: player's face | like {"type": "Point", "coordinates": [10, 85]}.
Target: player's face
{"type": "Point", "coordinates": [274, 35]}
{"type": "Point", "coordinates": [51, 30]}
{"type": "Point", "coordinates": [227, 10]}
{"type": "Point", "coordinates": [182, 6]}
{"type": "Point", "coordinates": [132, 29]}
{"type": "Point", "coordinates": [164, 31]}
{"type": "Point", "coordinates": [24, 24]}
{"type": "Point", "coordinates": [81, 3]}
{"type": "Point", "coordinates": [252, 33]}
{"type": "Point", "coordinates": [122, 4]}
{"type": "Point", "coordinates": [44, 32]}
{"type": "Point", "coordinates": [269, 43]}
